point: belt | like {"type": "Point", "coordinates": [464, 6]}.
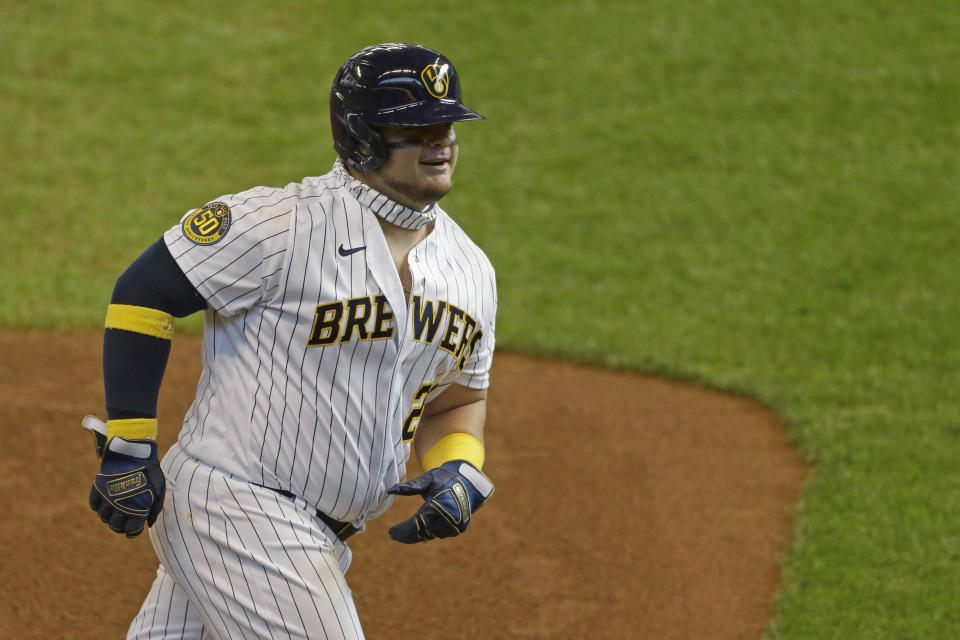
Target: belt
{"type": "Point", "coordinates": [342, 530]}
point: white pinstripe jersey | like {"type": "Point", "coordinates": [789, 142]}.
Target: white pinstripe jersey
{"type": "Point", "coordinates": [315, 366]}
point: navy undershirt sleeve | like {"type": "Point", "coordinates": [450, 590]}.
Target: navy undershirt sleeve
{"type": "Point", "coordinates": [134, 363]}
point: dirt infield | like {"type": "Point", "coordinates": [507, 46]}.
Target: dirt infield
{"type": "Point", "coordinates": [625, 507]}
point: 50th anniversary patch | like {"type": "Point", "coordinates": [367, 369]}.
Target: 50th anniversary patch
{"type": "Point", "coordinates": [207, 224]}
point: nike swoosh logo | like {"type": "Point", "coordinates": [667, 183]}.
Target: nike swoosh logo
{"type": "Point", "coordinates": [349, 252]}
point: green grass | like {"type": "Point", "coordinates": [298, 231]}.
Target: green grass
{"type": "Point", "coordinates": [761, 196]}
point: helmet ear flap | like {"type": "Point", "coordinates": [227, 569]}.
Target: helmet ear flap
{"type": "Point", "coordinates": [361, 146]}
{"type": "Point", "coordinates": [370, 149]}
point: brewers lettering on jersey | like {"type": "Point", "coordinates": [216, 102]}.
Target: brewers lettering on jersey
{"type": "Point", "coordinates": [347, 319]}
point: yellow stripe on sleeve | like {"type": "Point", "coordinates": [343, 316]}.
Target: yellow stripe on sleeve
{"type": "Point", "coordinates": [454, 446]}
{"type": "Point", "coordinates": [151, 322]}
{"type": "Point", "coordinates": [133, 428]}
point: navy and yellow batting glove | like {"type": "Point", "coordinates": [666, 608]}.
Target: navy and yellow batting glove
{"type": "Point", "coordinates": [451, 493]}
{"type": "Point", "coordinates": [98, 428]}
{"type": "Point", "coordinates": [128, 492]}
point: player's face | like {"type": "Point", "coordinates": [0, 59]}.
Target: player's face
{"type": "Point", "coordinates": [419, 169]}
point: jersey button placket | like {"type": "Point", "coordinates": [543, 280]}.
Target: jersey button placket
{"type": "Point", "coordinates": [413, 262]}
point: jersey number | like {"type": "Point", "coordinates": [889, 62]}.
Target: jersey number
{"type": "Point", "coordinates": [413, 418]}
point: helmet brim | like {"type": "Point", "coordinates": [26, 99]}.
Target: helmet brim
{"type": "Point", "coordinates": [422, 114]}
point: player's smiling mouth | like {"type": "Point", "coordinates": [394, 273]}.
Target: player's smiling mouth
{"type": "Point", "coordinates": [435, 165]}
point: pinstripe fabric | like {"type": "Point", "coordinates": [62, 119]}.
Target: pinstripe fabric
{"type": "Point", "coordinates": [279, 405]}
{"type": "Point", "coordinates": [166, 613]}
{"type": "Point", "coordinates": [322, 422]}
{"type": "Point", "coordinates": [247, 563]}
{"type": "Point", "coordinates": [393, 212]}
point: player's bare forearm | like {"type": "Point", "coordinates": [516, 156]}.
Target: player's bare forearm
{"type": "Point", "coordinates": [459, 409]}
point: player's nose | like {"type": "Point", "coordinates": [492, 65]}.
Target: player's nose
{"type": "Point", "coordinates": [440, 136]}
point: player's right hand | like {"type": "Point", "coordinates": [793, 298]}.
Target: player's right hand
{"type": "Point", "coordinates": [128, 491]}
{"type": "Point", "coordinates": [451, 493]}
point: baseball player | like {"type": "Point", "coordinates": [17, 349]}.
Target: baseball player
{"type": "Point", "coordinates": [346, 317]}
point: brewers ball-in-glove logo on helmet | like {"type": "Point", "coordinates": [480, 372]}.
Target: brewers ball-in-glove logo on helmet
{"type": "Point", "coordinates": [207, 224]}
{"type": "Point", "coordinates": [436, 79]}
{"type": "Point", "coordinates": [391, 85]}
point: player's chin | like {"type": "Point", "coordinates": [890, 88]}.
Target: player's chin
{"type": "Point", "coordinates": [438, 182]}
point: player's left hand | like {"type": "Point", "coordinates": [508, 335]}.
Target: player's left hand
{"type": "Point", "coordinates": [451, 493]}
{"type": "Point", "coordinates": [128, 492]}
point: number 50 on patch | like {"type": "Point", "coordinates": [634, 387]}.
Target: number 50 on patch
{"type": "Point", "coordinates": [208, 224]}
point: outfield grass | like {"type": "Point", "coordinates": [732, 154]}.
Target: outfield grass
{"type": "Point", "coordinates": [756, 197]}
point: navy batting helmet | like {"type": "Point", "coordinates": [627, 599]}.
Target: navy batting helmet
{"type": "Point", "coordinates": [390, 85]}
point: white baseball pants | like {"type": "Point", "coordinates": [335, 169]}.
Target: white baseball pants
{"type": "Point", "coordinates": [241, 561]}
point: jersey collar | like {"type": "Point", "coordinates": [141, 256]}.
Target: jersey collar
{"type": "Point", "coordinates": [387, 209]}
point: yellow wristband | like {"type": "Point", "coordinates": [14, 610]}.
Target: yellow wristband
{"type": "Point", "coordinates": [151, 322]}
{"type": "Point", "coordinates": [133, 428]}
{"type": "Point", "coordinates": [454, 446]}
